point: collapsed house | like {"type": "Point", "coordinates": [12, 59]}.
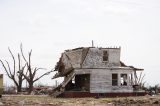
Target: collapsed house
{"type": "Point", "coordinates": [91, 71]}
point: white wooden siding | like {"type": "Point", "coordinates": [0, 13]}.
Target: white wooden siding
{"type": "Point", "coordinates": [101, 80]}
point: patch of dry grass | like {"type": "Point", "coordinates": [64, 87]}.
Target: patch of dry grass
{"type": "Point", "coordinates": [39, 100]}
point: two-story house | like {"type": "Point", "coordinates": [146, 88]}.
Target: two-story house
{"type": "Point", "coordinates": [91, 71]}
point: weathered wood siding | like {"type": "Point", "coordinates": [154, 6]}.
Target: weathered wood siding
{"type": "Point", "coordinates": [94, 58]}
{"type": "Point", "coordinates": [114, 57]}
{"type": "Point", "coordinates": [101, 80]}
{"type": "Point", "coordinates": [66, 61]}
{"type": "Point", "coordinates": [91, 58]}
{"type": "Point", "coordinates": [75, 57]}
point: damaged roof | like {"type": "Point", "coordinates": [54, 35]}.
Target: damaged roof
{"type": "Point", "coordinates": [74, 58]}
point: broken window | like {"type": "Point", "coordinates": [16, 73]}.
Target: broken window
{"type": "Point", "coordinates": [114, 79]}
{"type": "Point", "coordinates": [82, 82]}
{"type": "Point", "coordinates": [105, 55]}
{"type": "Point", "coordinates": [79, 83]}
{"type": "Point", "coordinates": [124, 79]}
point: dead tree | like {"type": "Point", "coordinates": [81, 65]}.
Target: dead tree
{"type": "Point", "coordinates": [31, 71]}
{"type": "Point", "coordinates": [17, 78]}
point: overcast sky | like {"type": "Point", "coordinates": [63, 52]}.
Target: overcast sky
{"type": "Point", "coordinates": [51, 26]}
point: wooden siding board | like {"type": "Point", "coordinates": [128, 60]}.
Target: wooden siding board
{"type": "Point", "coordinates": [101, 81]}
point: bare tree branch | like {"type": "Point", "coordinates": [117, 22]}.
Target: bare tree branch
{"type": "Point", "coordinates": [9, 69]}
{"type": "Point", "coordinates": [12, 73]}
{"type": "Point", "coordinates": [25, 76]}
{"type": "Point", "coordinates": [31, 72]}
{"type": "Point", "coordinates": [14, 61]}
{"type": "Point", "coordinates": [47, 73]}
{"type": "Point", "coordinates": [19, 62]}
{"type": "Point", "coordinates": [9, 74]}
{"type": "Point", "coordinates": [26, 73]}
{"type": "Point", "coordinates": [5, 69]}
{"type": "Point", "coordinates": [36, 69]}
{"type": "Point", "coordinates": [21, 47]}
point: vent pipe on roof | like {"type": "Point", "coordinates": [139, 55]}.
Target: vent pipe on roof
{"type": "Point", "coordinates": [92, 43]}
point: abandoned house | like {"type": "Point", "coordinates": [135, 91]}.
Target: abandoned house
{"type": "Point", "coordinates": [91, 71]}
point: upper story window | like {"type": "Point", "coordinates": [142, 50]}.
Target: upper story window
{"type": "Point", "coordinates": [105, 55]}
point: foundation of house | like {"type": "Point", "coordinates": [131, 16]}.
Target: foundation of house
{"type": "Point", "coordinates": [71, 94]}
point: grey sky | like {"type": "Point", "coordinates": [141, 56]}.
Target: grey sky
{"type": "Point", "coordinates": [51, 26]}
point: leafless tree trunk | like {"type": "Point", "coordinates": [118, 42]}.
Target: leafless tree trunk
{"type": "Point", "coordinates": [30, 76]}
{"type": "Point", "coordinates": [17, 78]}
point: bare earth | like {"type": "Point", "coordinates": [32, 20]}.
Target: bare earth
{"type": "Point", "coordinates": [39, 100]}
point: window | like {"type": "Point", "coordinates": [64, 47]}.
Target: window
{"type": "Point", "coordinates": [114, 79]}
{"type": "Point", "coordinates": [123, 79]}
{"type": "Point", "coordinates": [105, 55]}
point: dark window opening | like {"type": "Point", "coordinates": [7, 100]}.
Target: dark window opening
{"type": "Point", "coordinates": [79, 83]}
{"type": "Point", "coordinates": [105, 56]}
{"type": "Point", "coordinates": [123, 79]}
{"type": "Point", "coordinates": [114, 79]}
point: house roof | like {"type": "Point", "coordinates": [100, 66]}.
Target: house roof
{"type": "Point", "coordinates": [77, 56]}
{"type": "Point", "coordinates": [92, 47]}
{"type": "Point", "coordinates": [81, 53]}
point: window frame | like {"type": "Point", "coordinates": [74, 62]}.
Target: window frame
{"type": "Point", "coordinates": [115, 80]}
{"type": "Point", "coordinates": [105, 56]}
{"type": "Point", "coordinates": [124, 81]}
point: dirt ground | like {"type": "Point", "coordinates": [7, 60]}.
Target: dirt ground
{"type": "Point", "coordinates": [39, 100]}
